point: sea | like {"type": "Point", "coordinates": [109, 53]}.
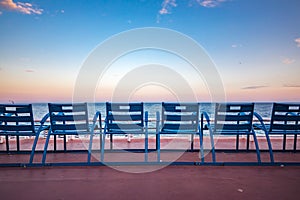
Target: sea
{"type": "Point", "coordinates": [41, 109]}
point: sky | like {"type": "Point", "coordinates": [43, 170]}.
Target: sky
{"type": "Point", "coordinates": [255, 46]}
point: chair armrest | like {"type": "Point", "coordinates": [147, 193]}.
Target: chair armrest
{"type": "Point", "coordinates": [105, 125]}
{"type": "Point", "coordinates": [205, 116]}
{"type": "Point", "coordinates": [96, 117]}
{"type": "Point", "coordinates": [157, 122]}
{"type": "Point", "coordinates": [262, 125]}
{"type": "Point", "coordinates": [42, 127]}
{"type": "Point", "coordinates": [146, 119]}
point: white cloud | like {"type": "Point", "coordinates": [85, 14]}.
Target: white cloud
{"type": "Point", "coordinates": [236, 45]}
{"type": "Point", "coordinates": [25, 8]}
{"type": "Point", "coordinates": [0, 13]}
{"type": "Point", "coordinates": [167, 6]}
{"type": "Point", "coordinates": [163, 11]}
{"type": "Point", "coordinates": [297, 40]}
{"type": "Point", "coordinates": [288, 61]}
{"type": "Point", "coordinates": [210, 3]}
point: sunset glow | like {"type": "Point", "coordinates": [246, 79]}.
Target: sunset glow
{"type": "Point", "coordinates": [255, 46]}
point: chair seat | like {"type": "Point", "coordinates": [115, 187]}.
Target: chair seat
{"type": "Point", "coordinates": [284, 132]}
{"type": "Point", "coordinates": [233, 132]}
{"type": "Point", "coordinates": [125, 132]}
{"type": "Point", "coordinates": [70, 132]}
{"type": "Point", "coordinates": [227, 132]}
{"type": "Point", "coordinates": [259, 126]}
{"type": "Point", "coordinates": [276, 132]}
{"type": "Point", "coordinates": [13, 133]}
{"type": "Point", "coordinates": [178, 132]}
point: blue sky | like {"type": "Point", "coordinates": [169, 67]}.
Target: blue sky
{"type": "Point", "coordinates": [254, 44]}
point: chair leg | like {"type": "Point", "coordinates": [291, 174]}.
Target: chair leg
{"type": "Point", "coordinates": [201, 147]}
{"type": "Point", "coordinates": [256, 148]}
{"type": "Point", "coordinates": [158, 147]}
{"type": "Point", "coordinates": [146, 147]}
{"type": "Point", "coordinates": [192, 142]}
{"type": "Point", "coordinates": [270, 147]}
{"type": "Point", "coordinates": [90, 147]}
{"type": "Point", "coordinates": [55, 136]}
{"type": "Point", "coordinates": [102, 147]}
{"type": "Point", "coordinates": [45, 148]}
{"type": "Point", "coordinates": [237, 142]}
{"type": "Point", "coordinates": [248, 141]}
{"type": "Point", "coordinates": [111, 141]}
{"type": "Point", "coordinates": [295, 142]}
{"type": "Point", "coordinates": [33, 148]}
{"type": "Point", "coordinates": [212, 146]}
{"type": "Point", "coordinates": [18, 143]}
{"type": "Point", "coordinates": [65, 143]}
{"type": "Point", "coordinates": [7, 144]}
{"type": "Point", "coordinates": [284, 142]}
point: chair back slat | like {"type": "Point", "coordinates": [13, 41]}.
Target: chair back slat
{"type": "Point", "coordinates": [124, 117]}
{"type": "Point", "coordinates": [69, 117]}
{"type": "Point", "coordinates": [233, 117]}
{"type": "Point", "coordinates": [116, 126]}
{"type": "Point", "coordinates": [16, 128]}
{"type": "Point", "coordinates": [285, 117]}
{"type": "Point", "coordinates": [180, 117]}
{"type": "Point", "coordinates": [16, 119]}
{"type": "Point", "coordinates": [129, 117]}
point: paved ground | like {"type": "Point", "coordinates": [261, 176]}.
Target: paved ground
{"type": "Point", "coordinates": [157, 182]}
{"type": "Point", "coordinates": [173, 182]}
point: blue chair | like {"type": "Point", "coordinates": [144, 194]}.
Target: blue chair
{"type": "Point", "coordinates": [230, 119]}
{"type": "Point", "coordinates": [17, 120]}
{"type": "Point", "coordinates": [125, 119]}
{"type": "Point", "coordinates": [71, 119]}
{"type": "Point", "coordinates": [285, 120]}
{"type": "Point", "coordinates": [178, 118]}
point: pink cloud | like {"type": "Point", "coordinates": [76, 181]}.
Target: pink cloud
{"type": "Point", "coordinates": [254, 87]}
{"type": "Point", "coordinates": [29, 70]}
{"type": "Point", "coordinates": [297, 40]}
{"type": "Point", "coordinates": [288, 61]}
{"type": "Point", "coordinates": [25, 8]}
{"type": "Point", "coordinates": [291, 85]}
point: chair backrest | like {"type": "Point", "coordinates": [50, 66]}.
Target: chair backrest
{"type": "Point", "coordinates": [233, 118]}
{"type": "Point", "coordinates": [180, 117]}
{"type": "Point", "coordinates": [16, 119]}
{"type": "Point", "coordinates": [285, 117]}
{"type": "Point", "coordinates": [124, 117]}
{"type": "Point", "coordinates": [69, 117]}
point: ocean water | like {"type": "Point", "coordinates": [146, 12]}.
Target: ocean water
{"type": "Point", "coordinates": [40, 109]}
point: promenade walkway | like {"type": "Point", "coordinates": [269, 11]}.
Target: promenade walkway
{"type": "Point", "coordinates": [172, 182]}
